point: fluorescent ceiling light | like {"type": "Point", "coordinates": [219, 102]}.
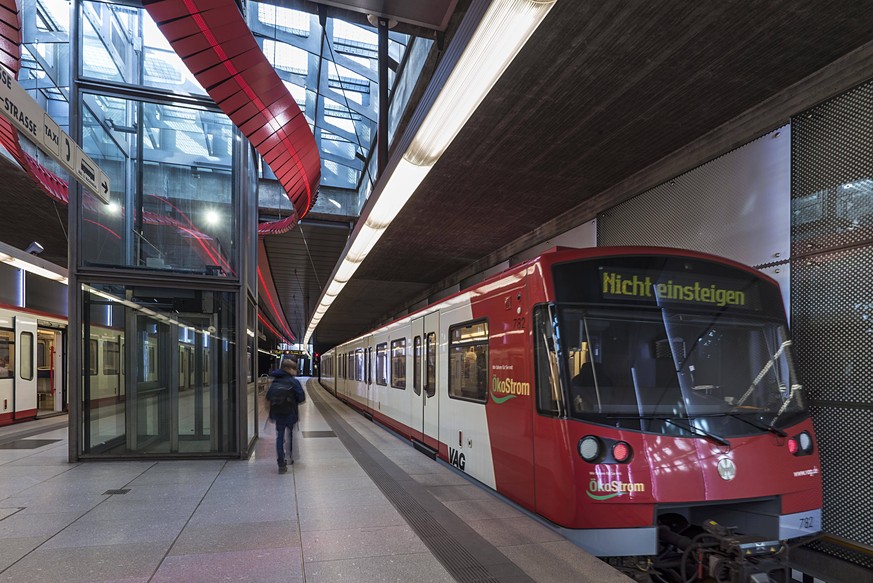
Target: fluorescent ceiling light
{"type": "Point", "coordinates": [20, 260]}
{"type": "Point", "coordinates": [403, 182]}
{"type": "Point", "coordinates": [504, 29]}
{"type": "Point", "coordinates": [334, 289]}
{"type": "Point", "coordinates": [502, 32]}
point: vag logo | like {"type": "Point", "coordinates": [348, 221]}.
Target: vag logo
{"type": "Point", "coordinates": [457, 459]}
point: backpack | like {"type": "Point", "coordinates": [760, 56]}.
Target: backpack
{"type": "Point", "coordinates": [283, 402]}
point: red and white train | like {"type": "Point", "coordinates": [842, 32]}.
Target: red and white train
{"type": "Point", "coordinates": [32, 370]}
{"type": "Point", "coordinates": [33, 364]}
{"type": "Point", "coordinates": [642, 400]}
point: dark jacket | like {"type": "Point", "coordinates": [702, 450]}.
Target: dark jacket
{"type": "Point", "coordinates": [284, 382]}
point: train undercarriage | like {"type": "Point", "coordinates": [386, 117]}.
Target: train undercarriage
{"type": "Point", "coordinates": [709, 553]}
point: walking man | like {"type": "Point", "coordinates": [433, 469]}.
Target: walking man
{"type": "Point", "coordinates": [284, 395]}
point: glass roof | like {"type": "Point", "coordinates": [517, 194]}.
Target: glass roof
{"type": "Point", "coordinates": [333, 74]}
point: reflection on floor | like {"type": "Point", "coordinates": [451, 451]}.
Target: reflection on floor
{"type": "Point", "coordinates": [240, 520]}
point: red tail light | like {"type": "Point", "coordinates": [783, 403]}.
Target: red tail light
{"type": "Point", "coordinates": [621, 452]}
{"type": "Point", "coordinates": [801, 444]}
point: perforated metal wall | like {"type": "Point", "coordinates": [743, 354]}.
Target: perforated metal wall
{"type": "Point", "coordinates": [832, 297]}
{"type": "Point", "coordinates": [803, 215]}
{"type": "Point", "coordinates": [735, 206]}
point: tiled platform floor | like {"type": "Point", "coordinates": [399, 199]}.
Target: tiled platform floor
{"type": "Point", "coordinates": [192, 521]}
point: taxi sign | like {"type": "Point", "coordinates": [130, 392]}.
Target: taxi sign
{"type": "Point", "coordinates": [36, 125]}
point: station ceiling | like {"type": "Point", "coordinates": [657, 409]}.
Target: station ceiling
{"type": "Point", "coordinates": [605, 101]}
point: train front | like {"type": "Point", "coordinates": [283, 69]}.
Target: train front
{"type": "Point", "coordinates": [689, 423]}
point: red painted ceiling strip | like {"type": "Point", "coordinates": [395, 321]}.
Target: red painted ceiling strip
{"type": "Point", "coordinates": [267, 289]}
{"type": "Point", "coordinates": [266, 323]}
{"type": "Point", "coordinates": [214, 41]}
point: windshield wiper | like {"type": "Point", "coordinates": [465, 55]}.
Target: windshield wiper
{"type": "Point", "coordinates": [760, 426]}
{"type": "Point", "coordinates": [701, 432]}
{"type": "Point", "coordinates": [771, 363]}
{"type": "Point", "coordinates": [689, 427]}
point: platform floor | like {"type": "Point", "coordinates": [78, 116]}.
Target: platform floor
{"type": "Point", "coordinates": [358, 504]}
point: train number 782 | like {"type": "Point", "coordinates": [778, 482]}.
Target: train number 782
{"type": "Point", "coordinates": [807, 522]}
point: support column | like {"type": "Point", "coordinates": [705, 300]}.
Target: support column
{"type": "Point", "coordinates": [383, 97]}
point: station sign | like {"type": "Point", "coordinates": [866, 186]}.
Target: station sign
{"type": "Point", "coordinates": [34, 123]}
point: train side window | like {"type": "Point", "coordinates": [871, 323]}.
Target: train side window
{"type": "Point", "coordinates": [430, 364]}
{"type": "Point", "coordinates": [416, 365]}
{"type": "Point", "coordinates": [370, 365]}
{"type": "Point", "coordinates": [7, 353]}
{"type": "Point", "coordinates": [468, 361]}
{"type": "Point", "coordinates": [153, 370]}
{"type": "Point", "coordinates": [398, 363]}
{"type": "Point", "coordinates": [110, 357]}
{"type": "Point", "coordinates": [382, 364]}
{"type": "Point", "coordinates": [550, 399]}
{"type": "Point", "coordinates": [42, 352]}
{"type": "Point", "coordinates": [359, 364]}
{"type": "Point", "coordinates": [25, 340]}
{"type": "Point", "coordinates": [92, 356]}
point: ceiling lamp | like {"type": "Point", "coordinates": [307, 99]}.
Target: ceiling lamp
{"type": "Point", "coordinates": [32, 264]}
{"type": "Point", "coordinates": [503, 30]}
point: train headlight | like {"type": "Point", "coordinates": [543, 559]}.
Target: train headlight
{"type": "Point", "coordinates": [589, 448]}
{"type": "Point", "coordinates": [805, 442]}
{"type": "Point", "coordinates": [621, 451]}
{"type": "Point", "coordinates": [801, 444]}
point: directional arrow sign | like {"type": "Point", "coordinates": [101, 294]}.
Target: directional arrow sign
{"type": "Point", "coordinates": [102, 185]}
{"type": "Point", "coordinates": [36, 125]}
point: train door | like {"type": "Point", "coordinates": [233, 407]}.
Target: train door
{"type": "Point", "coordinates": [24, 402]}
{"type": "Point", "coordinates": [369, 372]}
{"type": "Point", "coordinates": [50, 388]}
{"type": "Point", "coordinates": [7, 369]}
{"type": "Point", "coordinates": [431, 411]}
{"type": "Point", "coordinates": [416, 413]}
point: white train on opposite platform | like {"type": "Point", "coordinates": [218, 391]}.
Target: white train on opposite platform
{"type": "Point", "coordinates": [32, 364]}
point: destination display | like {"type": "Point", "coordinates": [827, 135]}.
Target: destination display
{"type": "Point", "coordinates": [35, 124]}
{"type": "Point", "coordinates": [666, 281]}
{"type": "Point", "coordinates": [618, 285]}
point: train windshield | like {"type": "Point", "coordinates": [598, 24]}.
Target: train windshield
{"type": "Point", "coordinates": [720, 367]}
